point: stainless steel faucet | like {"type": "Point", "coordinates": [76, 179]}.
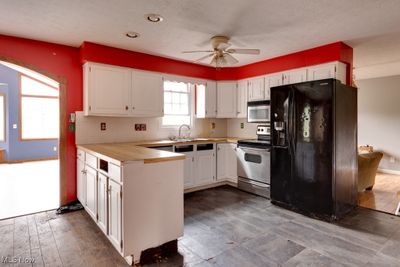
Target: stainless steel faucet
{"type": "Point", "coordinates": [180, 129]}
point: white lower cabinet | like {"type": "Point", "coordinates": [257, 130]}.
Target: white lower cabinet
{"type": "Point", "coordinates": [189, 170]}
{"type": "Point", "coordinates": [227, 162]}
{"type": "Point", "coordinates": [102, 202]}
{"type": "Point", "coordinates": [115, 214]}
{"type": "Point", "coordinates": [81, 181]}
{"type": "Point", "coordinates": [205, 167]}
{"type": "Point", "coordinates": [91, 192]}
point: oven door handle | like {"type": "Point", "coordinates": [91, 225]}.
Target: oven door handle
{"type": "Point", "coordinates": [244, 148]}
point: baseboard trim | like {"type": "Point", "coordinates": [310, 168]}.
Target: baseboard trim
{"type": "Point", "coordinates": [28, 160]}
{"type": "Point", "coordinates": [389, 171]}
{"type": "Point", "coordinates": [208, 186]}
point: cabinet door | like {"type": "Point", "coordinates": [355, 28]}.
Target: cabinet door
{"type": "Point", "coordinates": [231, 163]}
{"type": "Point", "coordinates": [221, 162]}
{"type": "Point", "coordinates": [115, 214]}
{"type": "Point", "coordinates": [188, 170]}
{"type": "Point", "coordinates": [271, 81]}
{"type": "Point", "coordinates": [91, 192]}
{"type": "Point", "coordinates": [102, 202]}
{"type": "Point", "coordinates": [256, 89]}
{"type": "Point", "coordinates": [211, 99]}
{"type": "Point", "coordinates": [226, 99]}
{"type": "Point", "coordinates": [206, 100]}
{"type": "Point", "coordinates": [147, 94]}
{"type": "Point", "coordinates": [107, 90]}
{"type": "Point", "coordinates": [242, 99]}
{"type": "Point", "coordinates": [81, 181]}
{"type": "Point", "coordinates": [206, 171]}
{"type": "Point", "coordinates": [320, 72]}
{"type": "Point", "coordinates": [295, 76]}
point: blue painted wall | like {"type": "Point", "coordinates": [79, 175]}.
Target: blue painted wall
{"type": "Point", "coordinates": [16, 149]}
{"type": "Point", "coordinates": [4, 91]}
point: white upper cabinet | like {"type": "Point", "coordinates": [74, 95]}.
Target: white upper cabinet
{"type": "Point", "coordinates": [242, 99]}
{"type": "Point", "coordinates": [256, 89]}
{"type": "Point", "coordinates": [206, 100]}
{"type": "Point", "coordinates": [107, 90]}
{"type": "Point", "coordinates": [116, 91]}
{"type": "Point", "coordinates": [147, 94]}
{"type": "Point", "coordinates": [226, 99]}
{"type": "Point", "coordinates": [336, 70]}
{"type": "Point", "coordinates": [271, 80]}
{"type": "Point", "coordinates": [295, 76]}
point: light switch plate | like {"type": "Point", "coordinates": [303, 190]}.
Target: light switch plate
{"type": "Point", "coordinates": [103, 126]}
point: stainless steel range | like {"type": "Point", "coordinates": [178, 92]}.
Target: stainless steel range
{"type": "Point", "coordinates": [254, 163]}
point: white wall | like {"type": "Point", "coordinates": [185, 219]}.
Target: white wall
{"type": "Point", "coordinates": [379, 117]}
{"type": "Point", "coordinates": [123, 129]}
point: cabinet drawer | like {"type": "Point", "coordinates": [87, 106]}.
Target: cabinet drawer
{"type": "Point", "coordinates": [114, 172]}
{"type": "Point", "coordinates": [80, 154]}
{"type": "Point", "coordinates": [91, 160]}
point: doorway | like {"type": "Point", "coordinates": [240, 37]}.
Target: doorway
{"type": "Point", "coordinates": [30, 144]}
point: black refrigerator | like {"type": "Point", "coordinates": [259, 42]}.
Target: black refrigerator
{"type": "Point", "coordinates": [314, 148]}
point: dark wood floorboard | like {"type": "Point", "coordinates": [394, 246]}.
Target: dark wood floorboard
{"type": "Point", "coordinates": [223, 227]}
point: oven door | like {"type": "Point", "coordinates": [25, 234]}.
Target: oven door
{"type": "Point", "coordinates": [257, 112]}
{"type": "Point", "coordinates": [254, 164]}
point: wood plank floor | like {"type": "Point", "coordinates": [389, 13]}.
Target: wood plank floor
{"type": "Point", "coordinates": [223, 227]}
{"type": "Point", "coordinates": [383, 196]}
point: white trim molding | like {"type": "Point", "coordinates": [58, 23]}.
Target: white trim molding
{"type": "Point", "coordinates": [389, 171]}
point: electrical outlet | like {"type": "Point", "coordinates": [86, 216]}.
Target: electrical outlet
{"type": "Point", "coordinates": [213, 125]}
{"type": "Point", "coordinates": [54, 148]}
{"type": "Point", "coordinates": [143, 127]}
{"type": "Point", "coordinates": [103, 126]}
{"type": "Point", "coordinates": [241, 125]}
{"type": "Point", "coordinates": [138, 127]}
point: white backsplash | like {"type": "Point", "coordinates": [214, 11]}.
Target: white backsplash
{"type": "Point", "coordinates": [123, 129]}
{"type": "Point", "coordinates": [234, 129]}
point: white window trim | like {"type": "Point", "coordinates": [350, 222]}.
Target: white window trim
{"type": "Point", "coordinates": [2, 95]}
{"type": "Point", "coordinates": [191, 105]}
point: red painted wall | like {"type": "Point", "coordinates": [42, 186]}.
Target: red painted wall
{"type": "Point", "coordinates": [59, 60]}
{"type": "Point", "coordinates": [114, 56]}
{"type": "Point", "coordinates": [67, 62]}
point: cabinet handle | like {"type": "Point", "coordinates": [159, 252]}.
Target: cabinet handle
{"type": "Point", "coordinates": [126, 108]}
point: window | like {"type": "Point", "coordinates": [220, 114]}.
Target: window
{"type": "Point", "coordinates": [2, 118]}
{"type": "Point", "coordinates": [39, 109]}
{"type": "Point", "coordinates": [177, 108]}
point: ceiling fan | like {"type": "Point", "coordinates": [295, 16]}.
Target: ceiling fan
{"type": "Point", "coordinates": [221, 54]}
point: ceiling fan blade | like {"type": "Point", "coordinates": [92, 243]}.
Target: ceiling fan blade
{"type": "Point", "coordinates": [244, 51]}
{"type": "Point", "coordinates": [230, 59]}
{"type": "Point", "coordinates": [202, 58]}
{"type": "Point", "coordinates": [198, 51]}
{"type": "Point", "coordinates": [223, 46]}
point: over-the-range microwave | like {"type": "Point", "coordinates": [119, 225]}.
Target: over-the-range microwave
{"type": "Point", "coordinates": [259, 111]}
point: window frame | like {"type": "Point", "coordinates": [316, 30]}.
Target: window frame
{"type": "Point", "coordinates": [190, 103]}
{"type": "Point", "coordinates": [21, 95]}
{"type": "Point", "coordinates": [4, 118]}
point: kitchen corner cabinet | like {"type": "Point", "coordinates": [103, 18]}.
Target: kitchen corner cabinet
{"type": "Point", "coordinates": [336, 70]}
{"type": "Point", "coordinates": [226, 99]}
{"type": "Point", "coordinates": [227, 162]}
{"type": "Point", "coordinates": [121, 92]}
{"type": "Point", "coordinates": [206, 100]}
{"type": "Point", "coordinates": [242, 99]}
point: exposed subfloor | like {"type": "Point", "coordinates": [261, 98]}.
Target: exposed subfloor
{"type": "Point", "coordinates": [223, 227]}
{"type": "Point", "coordinates": [383, 196]}
{"type": "Point", "coordinates": [29, 187]}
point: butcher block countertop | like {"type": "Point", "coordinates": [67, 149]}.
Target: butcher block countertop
{"type": "Point", "coordinates": [138, 151]}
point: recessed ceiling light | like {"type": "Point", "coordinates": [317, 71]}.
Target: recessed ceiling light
{"type": "Point", "coordinates": [154, 18]}
{"type": "Point", "coordinates": [132, 35]}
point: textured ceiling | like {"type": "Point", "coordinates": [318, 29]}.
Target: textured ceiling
{"type": "Point", "coordinates": [276, 27]}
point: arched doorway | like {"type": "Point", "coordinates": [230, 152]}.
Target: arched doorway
{"type": "Point", "coordinates": [52, 80]}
